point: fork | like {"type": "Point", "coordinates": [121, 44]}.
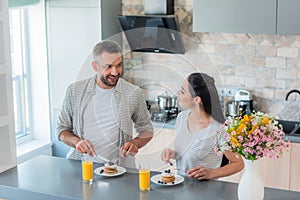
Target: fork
{"type": "Point", "coordinates": [99, 158]}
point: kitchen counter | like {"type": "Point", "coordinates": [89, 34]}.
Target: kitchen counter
{"type": "Point", "coordinates": [46, 177]}
{"type": "Point", "coordinates": [292, 138]}
{"type": "Point", "coordinates": [169, 124]}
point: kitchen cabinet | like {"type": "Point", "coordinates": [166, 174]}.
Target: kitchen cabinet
{"type": "Point", "coordinates": [281, 173]}
{"type": "Point", "coordinates": [234, 178]}
{"type": "Point", "coordinates": [288, 17]}
{"type": "Point", "coordinates": [73, 28]}
{"type": "Point", "coordinates": [7, 133]}
{"type": "Point", "coordinates": [294, 167]}
{"type": "Point", "coordinates": [275, 172]}
{"type": "Point", "coordinates": [234, 16]}
{"type": "Point", "coordinates": [150, 154]}
{"type": "Point", "coordinates": [241, 16]}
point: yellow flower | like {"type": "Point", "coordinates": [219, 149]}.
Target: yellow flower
{"type": "Point", "coordinates": [234, 142]}
{"type": "Point", "coordinates": [241, 128]}
{"type": "Point", "coordinates": [265, 120]}
{"type": "Point", "coordinates": [253, 129]}
{"type": "Point", "coordinates": [245, 119]}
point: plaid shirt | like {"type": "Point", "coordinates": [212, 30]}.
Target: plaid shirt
{"type": "Point", "coordinates": [131, 106]}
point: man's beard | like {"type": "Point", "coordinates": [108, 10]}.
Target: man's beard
{"type": "Point", "coordinates": [106, 82]}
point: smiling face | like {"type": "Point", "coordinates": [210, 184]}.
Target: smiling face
{"type": "Point", "coordinates": [185, 98]}
{"type": "Point", "coordinates": [109, 68]}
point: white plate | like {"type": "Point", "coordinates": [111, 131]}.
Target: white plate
{"type": "Point", "coordinates": [178, 179]}
{"type": "Point", "coordinates": [121, 170]}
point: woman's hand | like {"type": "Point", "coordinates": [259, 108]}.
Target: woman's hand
{"type": "Point", "coordinates": [167, 154]}
{"type": "Point", "coordinates": [199, 172]}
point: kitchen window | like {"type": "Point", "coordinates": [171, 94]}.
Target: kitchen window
{"type": "Point", "coordinates": [30, 76]}
{"type": "Point", "coordinates": [20, 67]}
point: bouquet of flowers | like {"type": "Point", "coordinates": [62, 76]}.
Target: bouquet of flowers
{"type": "Point", "coordinates": [253, 136]}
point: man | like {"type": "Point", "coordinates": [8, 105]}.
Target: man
{"type": "Point", "coordinates": [98, 114]}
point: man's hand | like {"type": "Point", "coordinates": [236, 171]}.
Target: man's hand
{"type": "Point", "coordinates": [84, 146]}
{"type": "Point", "coordinates": [129, 148]}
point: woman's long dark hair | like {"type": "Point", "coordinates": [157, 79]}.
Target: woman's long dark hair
{"type": "Point", "coordinates": [202, 85]}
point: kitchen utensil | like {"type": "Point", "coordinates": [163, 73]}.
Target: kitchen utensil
{"type": "Point", "coordinates": [166, 102]}
{"type": "Point", "coordinates": [232, 108]}
{"type": "Point", "coordinates": [102, 159]}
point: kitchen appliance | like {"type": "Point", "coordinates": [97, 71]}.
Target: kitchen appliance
{"type": "Point", "coordinates": [159, 7]}
{"type": "Point", "coordinates": [244, 102]}
{"type": "Point", "coordinates": [152, 33]}
{"type": "Point", "coordinates": [162, 115]}
{"type": "Point", "coordinates": [166, 108]}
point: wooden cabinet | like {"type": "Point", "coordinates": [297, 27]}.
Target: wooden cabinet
{"type": "Point", "coordinates": [288, 17]}
{"type": "Point", "coordinates": [282, 173]}
{"type": "Point", "coordinates": [7, 132]}
{"type": "Point", "coordinates": [150, 154]}
{"type": "Point", "coordinates": [275, 172]}
{"type": "Point", "coordinates": [234, 16]}
{"type": "Point", "coordinates": [295, 167]}
{"type": "Point", "coordinates": [235, 178]}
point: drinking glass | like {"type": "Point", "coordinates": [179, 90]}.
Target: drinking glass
{"type": "Point", "coordinates": [144, 195]}
{"type": "Point", "coordinates": [87, 168]}
{"type": "Point", "coordinates": [144, 179]}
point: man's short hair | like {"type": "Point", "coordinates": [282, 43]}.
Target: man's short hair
{"type": "Point", "coordinates": [106, 46]}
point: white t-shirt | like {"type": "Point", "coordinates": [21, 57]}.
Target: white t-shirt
{"type": "Point", "coordinates": [193, 149]}
{"type": "Point", "coordinates": [101, 123]}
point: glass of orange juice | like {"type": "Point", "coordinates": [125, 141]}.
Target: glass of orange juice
{"type": "Point", "coordinates": [144, 179]}
{"type": "Point", "coordinates": [87, 168]}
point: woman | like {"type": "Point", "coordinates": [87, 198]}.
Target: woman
{"type": "Point", "coordinates": [196, 129]}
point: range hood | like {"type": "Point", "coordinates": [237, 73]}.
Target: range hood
{"type": "Point", "coordinates": [152, 33]}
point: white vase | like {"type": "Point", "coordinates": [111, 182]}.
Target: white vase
{"type": "Point", "coordinates": [251, 186]}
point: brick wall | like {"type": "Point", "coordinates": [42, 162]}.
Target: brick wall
{"type": "Point", "coordinates": [266, 65]}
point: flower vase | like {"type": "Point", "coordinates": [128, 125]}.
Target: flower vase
{"type": "Point", "coordinates": [251, 185]}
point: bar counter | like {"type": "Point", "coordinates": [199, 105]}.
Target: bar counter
{"type": "Point", "coordinates": [46, 177]}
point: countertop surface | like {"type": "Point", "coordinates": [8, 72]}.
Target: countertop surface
{"type": "Point", "coordinates": [46, 177]}
{"type": "Point", "coordinates": [292, 138]}
{"type": "Point", "coordinates": [171, 125]}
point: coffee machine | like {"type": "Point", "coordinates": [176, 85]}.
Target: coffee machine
{"type": "Point", "coordinates": [244, 102]}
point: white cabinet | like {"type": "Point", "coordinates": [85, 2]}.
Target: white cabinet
{"type": "Point", "coordinates": [7, 133]}
{"type": "Point", "coordinates": [73, 28]}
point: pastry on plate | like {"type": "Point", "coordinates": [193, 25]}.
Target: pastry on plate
{"type": "Point", "coordinates": [110, 169]}
{"type": "Point", "coordinates": [167, 176]}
